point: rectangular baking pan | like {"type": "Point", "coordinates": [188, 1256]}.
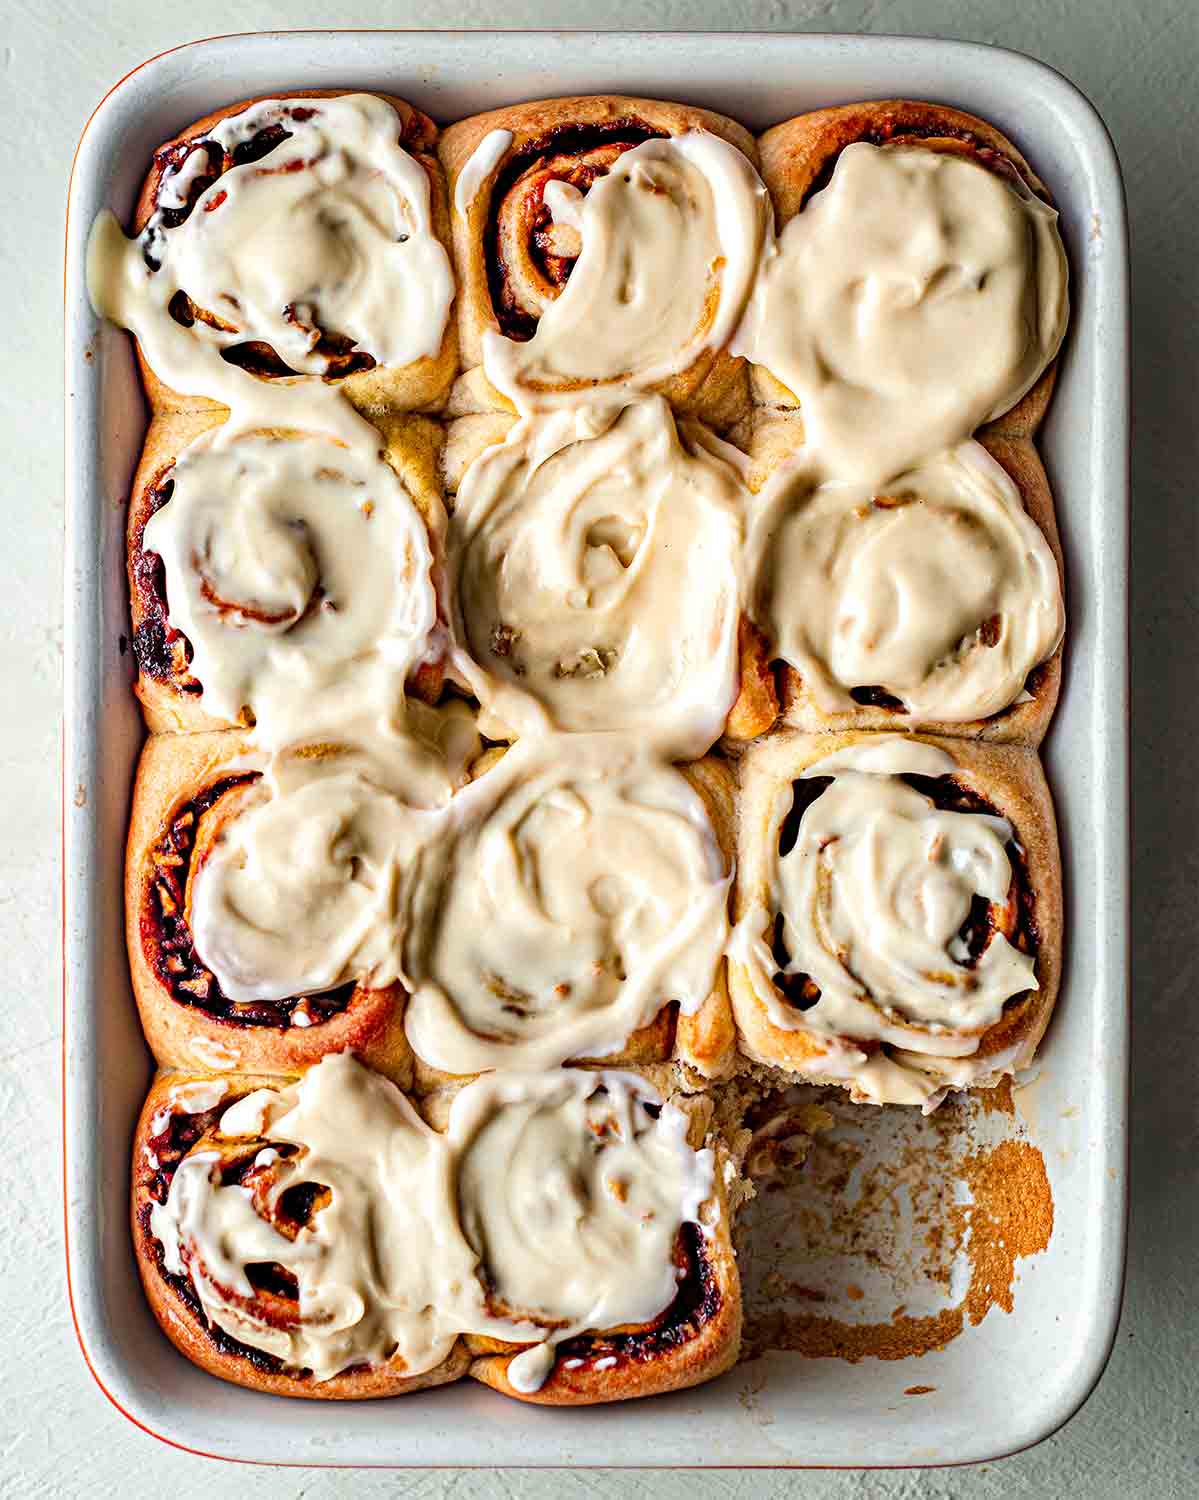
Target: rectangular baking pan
{"type": "Point", "coordinates": [1002, 1385]}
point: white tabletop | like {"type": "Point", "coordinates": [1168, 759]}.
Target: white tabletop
{"type": "Point", "coordinates": [1139, 1434]}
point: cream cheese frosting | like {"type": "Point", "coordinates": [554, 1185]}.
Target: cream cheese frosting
{"type": "Point", "coordinates": [915, 297]}
{"type": "Point", "coordinates": [670, 242]}
{"type": "Point", "coordinates": [300, 572]}
{"type": "Point", "coordinates": [594, 564]}
{"type": "Point", "coordinates": [873, 896]}
{"type": "Point", "coordinates": [577, 889]}
{"type": "Point", "coordinates": [572, 1193]}
{"type": "Point", "coordinates": [329, 233]}
{"type": "Point", "coordinates": [423, 1236]}
{"type": "Point", "coordinates": [941, 590]}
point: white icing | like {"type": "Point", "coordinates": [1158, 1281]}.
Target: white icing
{"type": "Point", "coordinates": [916, 296]}
{"type": "Point", "coordinates": [894, 591]}
{"type": "Point", "coordinates": [596, 577]}
{"type": "Point", "coordinates": [577, 888]}
{"type": "Point", "coordinates": [671, 237]}
{"type": "Point", "coordinates": [478, 167]}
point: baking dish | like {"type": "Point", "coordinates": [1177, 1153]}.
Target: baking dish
{"type": "Point", "coordinates": [999, 1386]}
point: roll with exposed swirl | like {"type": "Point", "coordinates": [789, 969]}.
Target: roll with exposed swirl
{"type": "Point", "coordinates": [297, 1237]}
{"type": "Point", "coordinates": [263, 892]}
{"type": "Point", "coordinates": [595, 574]}
{"type": "Point", "coordinates": [574, 906]}
{"type": "Point", "coordinates": [899, 912]}
{"type": "Point", "coordinates": [917, 289]}
{"type": "Point", "coordinates": [284, 581]}
{"type": "Point", "coordinates": [931, 602]}
{"type": "Point", "coordinates": [605, 244]}
{"type": "Point", "coordinates": [302, 235]}
{"type": "Point", "coordinates": [596, 1218]}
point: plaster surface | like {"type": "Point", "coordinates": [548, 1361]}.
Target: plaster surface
{"type": "Point", "coordinates": [1139, 1434]}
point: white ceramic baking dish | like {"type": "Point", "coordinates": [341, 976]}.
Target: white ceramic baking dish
{"type": "Point", "coordinates": [1000, 1386]}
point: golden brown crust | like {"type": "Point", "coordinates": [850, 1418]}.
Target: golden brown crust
{"type": "Point", "coordinates": [421, 385]}
{"type": "Point", "coordinates": [1021, 723]}
{"type": "Point", "coordinates": [716, 386]}
{"type": "Point", "coordinates": [1009, 778]}
{"type": "Point", "coordinates": [797, 156]}
{"type": "Point", "coordinates": [409, 444]}
{"type": "Point", "coordinates": [174, 771]}
{"type": "Point", "coordinates": [178, 1313]}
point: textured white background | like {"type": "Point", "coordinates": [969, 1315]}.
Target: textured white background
{"type": "Point", "coordinates": [1139, 1434]}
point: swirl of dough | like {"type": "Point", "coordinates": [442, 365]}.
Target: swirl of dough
{"type": "Point", "coordinates": [942, 591]}
{"type": "Point", "coordinates": [667, 235]}
{"type": "Point", "coordinates": [596, 577]}
{"type": "Point", "coordinates": [374, 1266]}
{"type": "Point", "coordinates": [916, 296]}
{"type": "Point", "coordinates": [300, 572]}
{"type": "Point", "coordinates": [572, 1188]}
{"type": "Point", "coordinates": [577, 890]}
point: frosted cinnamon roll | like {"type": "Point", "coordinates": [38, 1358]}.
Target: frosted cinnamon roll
{"type": "Point", "coordinates": [284, 581]}
{"type": "Point", "coordinates": [899, 912]}
{"type": "Point", "coordinates": [917, 289]}
{"type": "Point", "coordinates": [292, 1237]}
{"type": "Point", "coordinates": [594, 566]}
{"type": "Point", "coordinates": [296, 236]}
{"type": "Point", "coordinates": [574, 906]}
{"type": "Point", "coordinates": [596, 1219]}
{"type": "Point", "coordinates": [933, 601]}
{"type": "Point", "coordinates": [604, 244]}
{"type": "Point", "coordinates": [263, 893]}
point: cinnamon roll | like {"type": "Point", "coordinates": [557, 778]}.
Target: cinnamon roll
{"type": "Point", "coordinates": [596, 1219]}
{"type": "Point", "coordinates": [899, 912]}
{"type": "Point", "coordinates": [594, 567]}
{"type": "Point", "coordinates": [931, 602]}
{"type": "Point", "coordinates": [291, 1236]}
{"type": "Point", "coordinates": [263, 892]}
{"type": "Point", "coordinates": [574, 906]}
{"type": "Point", "coordinates": [284, 581]}
{"type": "Point", "coordinates": [603, 245]}
{"type": "Point", "coordinates": [917, 290]}
{"type": "Point", "coordinates": [298, 236]}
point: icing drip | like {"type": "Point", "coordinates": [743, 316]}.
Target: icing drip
{"type": "Point", "coordinates": [327, 234]}
{"type": "Point", "coordinates": [873, 897]}
{"type": "Point", "coordinates": [670, 240]}
{"type": "Point", "coordinates": [573, 1193]}
{"type": "Point", "coordinates": [403, 1223]}
{"type": "Point", "coordinates": [595, 570]}
{"type": "Point", "coordinates": [577, 889]}
{"type": "Point", "coordinates": [915, 297]}
{"type": "Point", "coordinates": [942, 591]}
{"type": "Point", "coordinates": [300, 572]}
